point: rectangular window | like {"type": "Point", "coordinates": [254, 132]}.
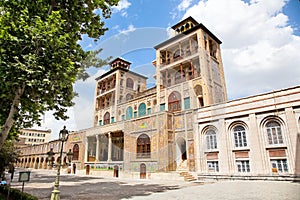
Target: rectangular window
{"type": "Point", "coordinates": [112, 119]}
{"type": "Point", "coordinates": [135, 114]}
{"type": "Point", "coordinates": [149, 111]}
{"type": "Point", "coordinates": [162, 107]}
{"type": "Point", "coordinates": [187, 103]}
{"type": "Point", "coordinates": [123, 117]}
{"type": "Point", "coordinates": [243, 165]}
{"type": "Point", "coordinates": [279, 165]}
{"type": "Point", "coordinates": [213, 166]}
{"type": "Point", "coordinates": [100, 123]}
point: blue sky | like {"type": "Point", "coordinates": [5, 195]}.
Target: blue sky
{"type": "Point", "coordinates": [260, 49]}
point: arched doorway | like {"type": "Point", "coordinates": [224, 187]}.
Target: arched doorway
{"type": "Point", "coordinates": [87, 170]}
{"type": "Point", "coordinates": [42, 163]}
{"type": "Point", "coordinates": [29, 163]}
{"type": "Point", "coordinates": [74, 168]}
{"type": "Point", "coordinates": [181, 150]}
{"type": "Point", "coordinates": [116, 171]}
{"type": "Point", "coordinates": [37, 163]}
{"type": "Point", "coordinates": [142, 171]}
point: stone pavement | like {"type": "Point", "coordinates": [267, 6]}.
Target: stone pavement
{"type": "Point", "coordinates": [91, 187]}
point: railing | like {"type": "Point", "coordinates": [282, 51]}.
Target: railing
{"type": "Point", "coordinates": [182, 56]}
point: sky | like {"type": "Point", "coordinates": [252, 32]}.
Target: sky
{"type": "Point", "coordinates": [260, 46]}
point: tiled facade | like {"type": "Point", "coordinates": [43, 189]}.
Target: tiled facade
{"type": "Point", "coordinates": [185, 122]}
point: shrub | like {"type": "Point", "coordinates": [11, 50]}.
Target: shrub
{"type": "Point", "coordinates": [16, 194]}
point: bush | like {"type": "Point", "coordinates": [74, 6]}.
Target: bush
{"type": "Point", "coordinates": [16, 194]}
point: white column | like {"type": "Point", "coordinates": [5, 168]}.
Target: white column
{"type": "Point", "coordinates": [257, 155]}
{"type": "Point", "coordinates": [86, 150]}
{"type": "Point", "coordinates": [97, 148]}
{"type": "Point", "coordinates": [109, 147]}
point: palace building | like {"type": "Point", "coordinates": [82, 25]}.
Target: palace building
{"type": "Point", "coordinates": [185, 124]}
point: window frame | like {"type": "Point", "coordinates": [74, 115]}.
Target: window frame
{"type": "Point", "coordinates": [214, 167]}
{"type": "Point", "coordinates": [244, 166]}
{"type": "Point", "coordinates": [174, 102]}
{"type": "Point", "coordinates": [274, 134]}
{"type": "Point", "coordinates": [211, 141]}
{"type": "Point", "coordinates": [283, 163]}
{"type": "Point", "coordinates": [143, 146]}
{"type": "Point", "coordinates": [240, 136]}
{"type": "Point", "coordinates": [106, 118]}
{"type": "Point", "coordinates": [129, 113]}
{"type": "Point", "coordinates": [129, 83]}
{"type": "Point", "coordinates": [75, 152]}
{"type": "Point", "coordinates": [142, 111]}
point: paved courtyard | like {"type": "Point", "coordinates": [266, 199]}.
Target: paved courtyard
{"type": "Point", "coordinates": [91, 187]}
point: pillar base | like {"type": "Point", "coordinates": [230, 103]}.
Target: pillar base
{"type": "Point", "coordinates": [55, 195]}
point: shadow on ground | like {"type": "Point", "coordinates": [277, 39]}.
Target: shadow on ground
{"type": "Point", "coordinates": [96, 190]}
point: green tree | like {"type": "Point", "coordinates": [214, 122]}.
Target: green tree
{"type": "Point", "coordinates": [8, 155]}
{"type": "Point", "coordinates": [40, 57]}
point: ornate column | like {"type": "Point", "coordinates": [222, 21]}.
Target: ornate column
{"type": "Point", "coordinates": [97, 148]}
{"type": "Point", "coordinates": [109, 147]}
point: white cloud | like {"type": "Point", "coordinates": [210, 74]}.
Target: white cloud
{"type": "Point", "coordinates": [130, 28]}
{"type": "Point", "coordinates": [122, 5]}
{"type": "Point", "coordinates": [184, 5]}
{"type": "Point", "coordinates": [259, 49]}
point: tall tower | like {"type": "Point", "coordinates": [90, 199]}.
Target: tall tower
{"type": "Point", "coordinates": [189, 68]}
{"type": "Point", "coordinates": [116, 86]}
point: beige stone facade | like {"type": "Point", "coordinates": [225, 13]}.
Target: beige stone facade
{"type": "Point", "coordinates": [185, 123]}
{"type": "Point", "coordinates": [29, 137]}
{"type": "Point", "coordinates": [36, 156]}
{"type": "Point", "coordinates": [139, 130]}
{"type": "Point", "coordinates": [255, 137]}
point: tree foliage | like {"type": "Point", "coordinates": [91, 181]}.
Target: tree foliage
{"type": "Point", "coordinates": [40, 57]}
{"type": "Point", "coordinates": [8, 156]}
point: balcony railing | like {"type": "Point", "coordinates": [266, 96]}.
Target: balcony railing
{"type": "Point", "coordinates": [182, 56]}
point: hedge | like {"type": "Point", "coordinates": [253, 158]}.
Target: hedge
{"type": "Point", "coordinates": [16, 194]}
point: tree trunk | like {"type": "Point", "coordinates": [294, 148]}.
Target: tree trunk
{"type": "Point", "coordinates": [10, 119]}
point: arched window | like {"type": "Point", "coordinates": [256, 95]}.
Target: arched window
{"type": "Point", "coordinates": [174, 101]}
{"type": "Point", "coordinates": [211, 139]}
{"type": "Point", "coordinates": [240, 139]}
{"type": "Point", "coordinates": [198, 90]}
{"type": "Point", "coordinates": [76, 152]}
{"type": "Point", "coordinates": [142, 109]}
{"type": "Point", "coordinates": [129, 83]}
{"type": "Point", "coordinates": [129, 112]}
{"type": "Point", "coordinates": [274, 132]}
{"type": "Point", "coordinates": [176, 54]}
{"type": "Point", "coordinates": [128, 97]}
{"type": "Point", "coordinates": [143, 146]}
{"type": "Point", "coordinates": [106, 118]}
{"type": "Point", "coordinates": [179, 76]}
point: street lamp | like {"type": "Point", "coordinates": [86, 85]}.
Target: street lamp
{"type": "Point", "coordinates": [50, 155]}
{"type": "Point", "coordinates": [70, 155]}
{"type": "Point", "coordinates": [63, 136]}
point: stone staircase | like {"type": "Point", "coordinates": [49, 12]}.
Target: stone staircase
{"type": "Point", "coordinates": [182, 169]}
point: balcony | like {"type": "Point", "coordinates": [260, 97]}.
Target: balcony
{"type": "Point", "coordinates": [183, 55]}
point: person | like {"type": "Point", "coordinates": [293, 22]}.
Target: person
{"type": "Point", "coordinates": [3, 181]}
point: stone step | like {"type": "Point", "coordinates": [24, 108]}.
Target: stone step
{"type": "Point", "coordinates": [187, 176]}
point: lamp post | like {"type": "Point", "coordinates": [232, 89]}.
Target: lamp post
{"type": "Point", "coordinates": [50, 157]}
{"type": "Point", "coordinates": [70, 155]}
{"type": "Point", "coordinates": [63, 136]}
